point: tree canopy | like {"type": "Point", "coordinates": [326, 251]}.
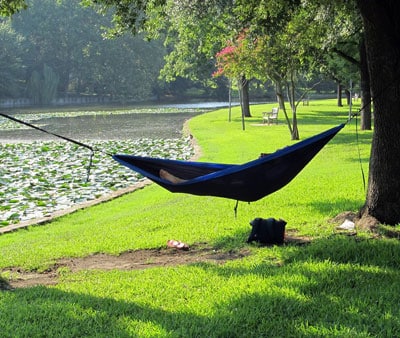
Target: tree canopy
{"type": "Point", "coordinates": [8, 8]}
{"type": "Point", "coordinates": [11, 66]}
{"type": "Point", "coordinates": [61, 45]}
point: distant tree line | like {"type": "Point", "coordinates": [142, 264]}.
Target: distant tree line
{"type": "Point", "coordinates": [59, 49]}
{"type": "Point", "coordinates": [56, 49]}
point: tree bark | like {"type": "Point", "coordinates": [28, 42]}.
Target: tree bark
{"type": "Point", "coordinates": [364, 83]}
{"type": "Point", "coordinates": [382, 40]}
{"type": "Point", "coordinates": [292, 100]}
{"type": "Point", "coordinates": [245, 98]}
{"type": "Point", "coordinates": [339, 95]}
{"type": "Point", "coordinates": [348, 98]}
{"type": "Point", "coordinates": [281, 102]}
{"type": "Point", "coordinates": [365, 89]}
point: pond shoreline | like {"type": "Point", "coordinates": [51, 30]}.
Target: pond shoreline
{"type": "Point", "coordinates": [74, 208]}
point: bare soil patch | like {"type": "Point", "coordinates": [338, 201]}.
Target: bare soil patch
{"type": "Point", "coordinates": [129, 260]}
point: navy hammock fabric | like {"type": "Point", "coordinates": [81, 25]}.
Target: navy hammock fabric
{"type": "Point", "coordinates": [246, 182]}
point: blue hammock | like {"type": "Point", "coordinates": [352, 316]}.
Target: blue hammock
{"type": "Point", "coordinates": [247, 182]}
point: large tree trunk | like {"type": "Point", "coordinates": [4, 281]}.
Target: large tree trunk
{"type": "Point", "coordinates": [365, 89]}
{"type": "Point", "coordinates": [382, 40]}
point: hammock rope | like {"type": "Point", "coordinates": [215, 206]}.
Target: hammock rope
{"type": "Point", "coordinates": [12, 118]}
{"type": "Point", "coordinates": [92, 149]}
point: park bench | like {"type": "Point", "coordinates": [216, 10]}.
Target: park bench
{"type": "Point", "coordinates": [272, 116]}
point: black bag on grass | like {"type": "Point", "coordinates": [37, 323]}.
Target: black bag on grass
{"type": "Point", "coordinates": [267, 231]}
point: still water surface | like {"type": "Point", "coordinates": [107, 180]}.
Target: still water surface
{"type": "Point", "coordinates": [119, 126]}
{"type": "Point", "coordinates": [104, 127]}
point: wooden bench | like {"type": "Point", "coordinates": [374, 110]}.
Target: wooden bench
{"type": "Point", "coordinates": [272, 116]}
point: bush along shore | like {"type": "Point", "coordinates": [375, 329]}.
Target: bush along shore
{"type": "Point", "coordinates": [40, 178]}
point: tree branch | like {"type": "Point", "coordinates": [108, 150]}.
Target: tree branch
{"type": "Point", "coordinates": [346, 57]}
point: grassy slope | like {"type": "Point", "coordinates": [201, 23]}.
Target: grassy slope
{"type": "Point", "coordinates": [337, 286]}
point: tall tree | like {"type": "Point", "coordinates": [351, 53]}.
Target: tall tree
{"type": "Point", "coordinates": [56, 35]}
{"type": "Point", "coordinates": [284, 55]}
{"type": "Point", "coordinates": [70, 43]}
{"type": "Point", "coordinates": [234, 62]}
{"type": "Point", "coordinates": [11, 66]}
{"type": "Point", "coordinates": [346, 40]}
{"type": "Point", "coordinates": [382, 41]}
{"type": "Point", "coordinates": [195, 32]}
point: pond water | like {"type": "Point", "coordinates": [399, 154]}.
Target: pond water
{"type": "Point", "coordinates": [159, 121]}
{"type": "Point", "coordinates": [41, 174]}
{"type": "Point", "coordinates": [103, 127]}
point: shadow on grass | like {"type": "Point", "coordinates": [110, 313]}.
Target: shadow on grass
{"type": "Point", "coordinates": [4, 285]}
{"type": "Point", "coordinates": [338, 286]}
{"type": "Point", "coordinates": [341, 249]}
{"type": "Point", "coordinates": [305, 117]}
{"type": "Point", "coordinates": [345, 280]}
{"type": "Point", "coordinates": [350, 138]}
{"type": "Point", "coordinates": [340, 205]}
{"type": "Point", "coordinates": [348, 135]}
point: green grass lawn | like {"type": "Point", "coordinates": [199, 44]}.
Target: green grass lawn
{"type": "Point", "coordinates": [336, 286]}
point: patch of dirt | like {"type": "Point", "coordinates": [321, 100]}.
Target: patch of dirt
{"type": "Point", "coordinates": [129, 260]}
{"type": "Point", "coordinates": [366, 222]}
{"type": "Point", "coordinates": [291, 237]}
{"type": "Point", "coordinates": [349, 215]}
